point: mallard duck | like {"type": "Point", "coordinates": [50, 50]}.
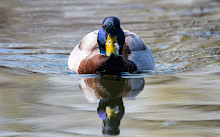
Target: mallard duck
{"type": "Point", "coordinates": [110, 50]}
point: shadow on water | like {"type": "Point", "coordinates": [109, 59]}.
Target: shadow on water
{"type": "Point", "coordinates": [110, 92]}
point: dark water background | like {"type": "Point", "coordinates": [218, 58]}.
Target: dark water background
{"type": "Point", "coordinates": [39, 96]}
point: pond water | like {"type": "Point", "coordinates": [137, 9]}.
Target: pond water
{"type": "Point", "coordinates": [39, 96]}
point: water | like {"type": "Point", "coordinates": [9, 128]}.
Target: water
{"type": "Point", "coordinates": [170, 105]}
{"type": "Point", "coordinates": [39, 96]}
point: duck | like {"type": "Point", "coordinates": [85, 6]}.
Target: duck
{"type": "Point", "coordinates": [110, 50]}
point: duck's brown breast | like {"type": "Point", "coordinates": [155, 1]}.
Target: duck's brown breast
{"type": "Point", "coordinates": [106, 65]}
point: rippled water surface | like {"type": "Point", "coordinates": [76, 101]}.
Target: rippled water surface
{"type": "Point", "coordinates": [39, 96]}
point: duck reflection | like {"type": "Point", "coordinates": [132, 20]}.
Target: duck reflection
{"type": "Point", "coordinates": [109, 92]}
{"type": "Point", "coordinates": [111, 112]}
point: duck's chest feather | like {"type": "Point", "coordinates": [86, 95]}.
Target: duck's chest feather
{"type": "Point", "coordinates": [106, 65]}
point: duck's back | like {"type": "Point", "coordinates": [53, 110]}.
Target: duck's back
{"type": "Point", "coordinates": [87, 47]}
{"type": "Point", "coordinates": [139, 53]}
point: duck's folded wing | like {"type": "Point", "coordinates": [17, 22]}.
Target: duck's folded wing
{"type": "Point", "coordinates": [140, 54]}
{"type": "Point", "coordinates": [86, 47]}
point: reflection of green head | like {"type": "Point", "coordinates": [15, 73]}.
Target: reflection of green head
{"type": "Point", "coordinates": [111, 126]}
{"type": "Point", "coordinates": [111, 112]}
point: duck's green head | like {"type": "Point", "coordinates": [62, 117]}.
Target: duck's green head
{"type": "Point", "coordinates": [111, 37]}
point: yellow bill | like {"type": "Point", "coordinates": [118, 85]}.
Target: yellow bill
{"type": "Point", "coordinates": [110, 46]}
{"type": "Point", "coordinates": [110, 112]}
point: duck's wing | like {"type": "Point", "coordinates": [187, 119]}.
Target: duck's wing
{"type": "Point", "coordinates": [87, 47]}
{"type": "Point", "coordinates": [138, 52]}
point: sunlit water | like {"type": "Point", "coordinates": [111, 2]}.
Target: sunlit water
{"type": "Point", "coordinates": [39, 96]}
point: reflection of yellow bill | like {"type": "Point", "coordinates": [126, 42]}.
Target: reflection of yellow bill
{"type": "Point", "coordinates": [110, 112]}
{"type": "Point", "coordinates": [109, 46]}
